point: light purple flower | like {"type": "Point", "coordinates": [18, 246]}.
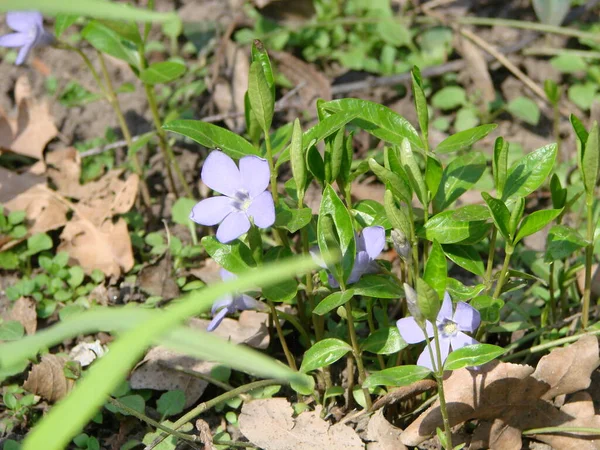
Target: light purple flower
{"type": "Point", "coordinates": [230, 304]}
{"type": "Point", "coordinates": [30, 33]}
{"type": "Point", "coordinates": [450, 330]}
{"type": "Point", "coordinates": [245, 195]}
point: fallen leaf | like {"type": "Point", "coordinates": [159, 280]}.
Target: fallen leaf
{"type": "Point", "coordinates": [382, 434]}
{"type": "Point", "coordinates": [157, 279]}
{"type": "Point", "coordinates": [204, 434]}
{"type": "Point", "coordinates": [270, 425]}
{"type": "Point", "coordinates": [24, 311]}
{"type": "Point", "coordinates": [47, 379]}
{"type": "Point", "coordinates": [229, 90]}
{"type": "Point", "coordinates": [512, 398]}
{"type": "Point", "coordinates": [86, 352]}
{"type": "Point", "coordinates": [63, 167]}
{"type": "Point", "coordinates": [477, 69]}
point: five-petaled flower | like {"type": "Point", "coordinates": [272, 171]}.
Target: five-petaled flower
{"type": "Point", "coordinates": [245, 195]}
{"type": "Point", "coordinates": [230, 304]}
{"type": "Point", "coordinates": [30, 33]}
{"type": "Point", "coordinates": [450, 330]}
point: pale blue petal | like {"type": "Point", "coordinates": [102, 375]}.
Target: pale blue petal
{"type": "Point", "coordinates": [262, 210]}
{"type": "Point", "coordinates": [24, 21]}
{"type": "Point", "coordinates": [14, 40]}
{"type": "Point", "coordinates": [220, 173]}
{"type": "Point", "coordinates": [374, 240]}
{"type": "Point", "coordinates": [361, 265]}
{"type": "Point", "coordinates": [223, 302]}
{"type": "Point", "coordinates": [425, 357]}
{"type": "Point", "coordinates": [211, 211]}
{"type": "Point", "coordinates": [255, 174]}
{"type": "Point", "coordinates": [226, 275]}
{"type": "Point", "coordinates": [23, 53]}
{"type": "Point", "coordinates": [234, 225]}
{"type": "Point", "coordinates": [216, 321]}
{"type": "Point", "coordinates": [446, 309]}
{"type": "Point", "coordinates": [410, 331]}
{"type": "Point", "coordinates": [243, 302]}
{"type": "Point", "coordinates": [466, 317]}
{"type": "Point", "coordinates": [460, 340]}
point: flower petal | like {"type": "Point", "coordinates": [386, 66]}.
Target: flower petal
{"type": "Point", "coordinates": [24, 20]}
{"type": "Point", "coordinates": [262, 210]}
{"type": "Point", "coordinates": [232, 227]}
{"type": "Point", "coordinates": [220, 173]}
{"type": "Point", "coordinates": [223, 302]}
{"type": "Point", "coordinates": [467, 317]}
{"type": "Point", "coordinates": [446, 309]}
{"type": "Point", "coordinates": [211, 211]}
{"type": "Point", "coordinates": [374, 240]}
{"type": "Point", "coordinates": [216, 321]}
{"type": "Point", "coordinates": [361, 266]}
{"type": "Point", "coordinates": [243, 302]}
{"type": "Point", "coordinates": [460, 339]}
{"type": "Point", "coordinates": [332, 281]}
{"type": "Point", "coordinates": [425, 357]}
{"type": "Point", "coordinates": [255, 174]}
{"type": "Point", "coordinates": [14, 40]}
{"type": "Point", "coordinates": [410, 331]}
{"type": "Point", "coordinates": [23, 53]}
{"type": "Point", "coordinates": [226, 275]}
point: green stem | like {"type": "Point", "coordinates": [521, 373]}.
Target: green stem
{"type": "Point", "coordinates": [205, 406]}
{"type": "Point", "coordinates": [509, 251]}
{"type": "Point", "coordinates": [548, 345]}
{"type": "Point", "coordinates": [551, 292]}
{"type": "Point", "coordinates": [439, 376]}
{"type": "Point", "coordinates": [589, 253]}
{"type": "Point", "coordinates": [556, 430]}
{"type": "Point", "coordinates": [316, 320]}
{"type": "Point", "coordinates": [356, 350]}
{"type": "Point", "coordinates": [490, 261]}
{"type": "Point", "coordinates": [272, 169]}
{"type": "Point", "coordinates": [288, 355]}
{"type": "Point", "coordinates": [372, 330]}
{"type": "Point", "coordinates": [414, 245]}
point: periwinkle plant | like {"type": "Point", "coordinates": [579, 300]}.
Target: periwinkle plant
{"type": "Point", "coordinates": [29, 33]}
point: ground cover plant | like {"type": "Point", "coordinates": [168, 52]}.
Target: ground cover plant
{"type": "Point", "coordinates": [299, 225]}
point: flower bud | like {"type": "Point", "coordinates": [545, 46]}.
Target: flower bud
{"type": "Point", "coordinates": [412, 302]}
{"type": "Point", "coordinates": [401, 244]}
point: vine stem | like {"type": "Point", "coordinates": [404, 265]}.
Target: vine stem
{"type": "Point", "coordinates": [504, 272]}
{"type": "Point", "coordinates": [589, 252]}
{"type": "Point", "coordinates": [552, 430]}
{"type": "Point", "coordinates": [440, 381]}
{"type": "Point", "coordinates": [288, 355]}
{"type": "Point", "coordinates": [490, 261]}
{"type": "Point", "coordinates": [272, 170]}
{"type": "Point", "coordinates": [550, 344]}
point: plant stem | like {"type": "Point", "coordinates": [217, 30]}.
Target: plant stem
{"type": "Point", "coordinates": [205, 406]}
{"type": "Point", "coordinates": [286, 350]}
{"type": "Point", "coordinates": [509, 251]}
{"type": "Point", "coordinates": [553, 430]}
{"type": "Point", "coordinates": [414, 245]}
{"type": "Point", "coordinates": [114, 102]}
{"type": "Point", "coordinates": [271, 168]}
{"type": "Point", "coordinates": [589, 253]}
{"type": "Point", "coordinates": [439, 376]}
{"type": "Point", "coordinates": [490, 261]}
{"type": "Point", "coordinates": [551, 292]}
{"type": "Point", "coordinates": [372, 330]}
{"type": "Point", "coordinates": [550, 344]}
{"type": "Point", "coordinates": [356, 350]}
{"type": "Point", "coordinates": [316, 320]}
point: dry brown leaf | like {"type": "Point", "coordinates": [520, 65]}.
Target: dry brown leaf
{"type": "Point", "coordinates": [24, 311]}
{"type": "Point", "coordinates": [157, 279]}
{"type": "Point", "coordinates": [47, 379]}
{"type": "Point", "coordinates": [268, 424]}
{"type": "Point", "coordinates": [204, 434]}
{"type": "Point", "coordinates": [477, 70]}
{"type": "Point", "coordinates": [382, 434]}
{"type": "Point", "coordinates": [32, 129]}
{"type": "Point", "coordinates": [512, 398]}
{"type": "Point", "coordinates": [230, 89]}
{"type": "Point", "coordinates": [63, 167]}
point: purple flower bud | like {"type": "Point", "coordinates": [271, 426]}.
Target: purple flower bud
{"type": "Point", "coordinates": [30, 33]}
{"type": "Point", "coordinates": [401, 244]}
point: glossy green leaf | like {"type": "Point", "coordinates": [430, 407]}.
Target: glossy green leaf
{"type": "Point", "coordinates": [471, 213]}
{"type": "Point", "coordinates": [590, 160]}
{"type": "Point", "coordinates": [398, 185]}
{"type": "Point", "coordinates": [516, 215]}
{"type": "Point", "coordinates": [436, 269]}
{"type": "Point", "coordinates": [443, 228]}
{"type": "Point", "coordinates": [466, 257]}
{"type": "Point", "coordinates": [334, 152]}
{"type": "Point", "coordinates": [324, 353]}
{"type": "Point", "coordinates": [212, 136]}
{"type": "Point", "coordinates": [162, 72]}
{"type": "Point", "coordinates": [433, 174]}
{"type": "Point", "coordinates": [62, 22]}
{"type": "Point", "coordinates": [535, 221]}
{"type": "Point", "coordinates": [128, 30]}
{"type": "Point", "coordinates": [378, 120]}
{"type": "Point", "coordinates": [530, 172]}
{"type": "Point", "coordinates": [525, 109]}
{"type": "Point", "coordinates": [235, 257]}
{"type": "Point", "coordinates": [135, 402]}
{"type": "Point", "coordinates": [370, 213]}
{"type": "Point", "coordinates": [562, 242]}
{"type": "Point", "coordinates": [420, 101]}
{"type": "Point", "coordinates": [500, 215]}
{"type": "Point", "coordinates": [449, 97]}
{"type": "Point", "coordinates": [315, 164]}
{"type": "Point", "coordinates": [557, 192]}
{"type": "Point", "coordinates": [298, 159]}
{"type": "Point", "coordinates": [464, 139]}
{"type": "Point", "coordinates": [397, 376]}
{"type": "Point", "coordinates": [472, 355]}
{"type": "Point", "coordinates": [259, 54]}
{"type": "Point", "coordinates": [377, 286]}
{"type": "Point", "coordinates": [428, 300]}
{"type": "Point", "coordinates": [332, 301]}
{"type": "Point", "coordinates": [285, 290]}
{"type": "Point", "coordinates": [461, 293]}
{"type": "Point", "coordinates": [107, 40]}
{"type": "Point", "coordinates": [292, 219]}
{"type": "Point", "coordinates": [171, 403]}
{"type": "Point", "coordinates": [412, 169]}
{"type": "Point", "coordinates": [459, 176]}
{"type": "Point", "coordinates": [500, 164]}
{"type": "Point", "coordinates": [384, 341]}
{"type": "Point", "coordinates": [488, 307]}
{"type": "Point", "coordinates": [397, 216]}
{"type": "Point", "coordinates": [262, 99]}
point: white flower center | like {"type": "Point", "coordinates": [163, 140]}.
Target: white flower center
{"type": "Point", "coordinates": [448, 328]}
{"type": "Point", "coordinates": [241, 201]}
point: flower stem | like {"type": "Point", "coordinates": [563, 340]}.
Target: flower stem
{"type": "Point", "coordinates": [356, 351]}
{"type": "Point", "coordinates": [439, 376]}
{"type": "Point", "coordinates": [272, 169]}
{"type": "Point", "coordinates": [288, 355]}
{"type": "Point", "coordinates": [589, 252]}
{"type": "Point", "coordinates": [509, 251]}
{"type": "Point", "coordinates": [548, 345]}
{"type": "Point", "coordinates": [372, 330]}
{"type": "Point", "coordinates": [490, 261]}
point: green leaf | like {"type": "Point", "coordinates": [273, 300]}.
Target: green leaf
{"type": "Point", "coordinates": [500, 164]}
{"type": "Point", "coordinates": [412, 169]}
{"type": "Point", "coordinates": [370, 213]}
{"type": "Point", "coordinates": [590, 160]}
{"type": "Point", "coordinates": [525, 109]}
{"type": "Point", "coordinates": [343, 239]}
{"type": "Point", "coordinates": [76, 275]}
{"type": "Point", "coordinates": [62, 22]}
{"type": "Point", "coordinates": [436, 269]}
{"type": "Point", "coordinates": [562, 242]}
{"type": "Point", "coordinates": [530, 172]}
{"type": "Point", "coordinates": [397, 216]}
{"type": "Point", "coordinates": [11, 330]}
{"type": "Point", "coordinates": [397, 376]}
{"type": "Point", "coordinates": [171, 403]}
{"type": "Point", "coordinates": [384, 341]}
{"type": "Point", "coordinates": [459, 176]}
{"type": "Point", "coordinates": [377, 286]}
{"type": "Point", "coordinates": [135, 402]}
{"type": "Point", "coordinates": [428, 300]}
{"type": "Point", "coordinates": [262, 99]}
{"type": "Point", "coordinates": [582, 94]}
{"type": "Point", "coordinates": [450, 97]}
{"type": "Point", "coordinates": [461, 293]}
{"type": "Point", "coordinates": [398, 185]}
{"type": "Point", "coordinates": [552, 91]}
{"type": "Point", "coordinates": [433, 174]}
{"type": "Point", "coordinates": [334, 153]}
{"type": "Point", "coordinates": [259, 54]}
{"type": "Point", "coordinates": [38, 243]}
{"type": "Point", "coordinates": [323, 353]}
{"type": "Point", "coordinates": [471, 213]}
{"type": "Point", "coordinates": [235, 257]}
{"type": "Point", "coordinates": [298, 159]}
{"type": "Point", "coordinates": [472, 355]}
{"type": "Point", "coordinates": [446, 230]}
{"type": "Point", "coordinates": [181, 209]}
{"type": "Point", "coordinates": [516, 215]}
{"type": "Point", "coordinates": [162, 72]}
{"type": "Point", "coordinates": [535, 221]}
{"type": "Point", "coordinates": [557, 192]}
{"type": "Point", "coordinates": [286, 289]}
{"type": "Point", "coordinates": [292, 219]}
{"type": "Point", "coordinates": [466, 257]}
{"type": "Point", "coordinates": [464, 139]}
{"type": "Point", "coordinates": [488, 307]}
{"type": "Point", "coordinates": [127, 30]}
{"type": "Point", "coordinates": [212, 136]}
{"type": "Point", "coordinates": [420, 101]}
{"type": "Point", "coordinates": [378, 120]}
{"type": "Point", "coordinates": [332, 301]}
{"type": "Point", "coordinates": [568, 63]}
{"type": "Point", "coordinates": [500, 215]}
{"type": "Point", "coordinates": [107, 40]}
{"type": "Point", "coordinates": [315, 164]}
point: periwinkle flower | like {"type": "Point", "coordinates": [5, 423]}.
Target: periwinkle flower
{"type": "Point", "coordinates": [30, 33]}
{"type": "Point", "coordinates": [245, 195]}
{"type": "Point", "coordinates": [230, 304]}
{"type": "Point", "coordinates": [450, 330]}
